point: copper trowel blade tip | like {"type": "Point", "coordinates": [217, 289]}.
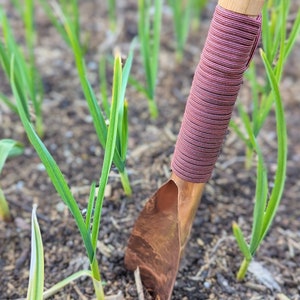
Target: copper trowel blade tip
{"type": "Point", "coordinates": [154, 244]}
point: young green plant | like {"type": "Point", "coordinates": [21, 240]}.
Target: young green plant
{"type": "Point", "coordinates": [186, 15]}
{"type": "Point", "coordinates": [265, 208]}
{"type": "Point", "coordinates": [149, 42]}
{"type": "Point", "coordinates": [277, 45]}
{"type": "Point", "coordinates": [112, 14]}
{"type": "Point", "coordinates": [198, 7]}
{"type": "Point", "coordinates": [28, 75]}
{"type": "Point", "coordinates": [8, 148]}
{"type": "Point", "coordinates": [36, 273]}
{"type": "Point", "coordinates": [182, 11]}
{"type": "Point", "coordinates": [70, 8]}
{"type": "Point", "coordinates": [35, 289]}
{"type": "Point", "coordinates": [89, 230]}
{"type": "Point", "coordinates": [99, 118]}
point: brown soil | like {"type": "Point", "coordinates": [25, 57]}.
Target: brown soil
{"type": "Point", "coordinates": [212, 256]}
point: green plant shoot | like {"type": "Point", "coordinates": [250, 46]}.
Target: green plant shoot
{"type": "Point", "coordinates": [112, 14]}
{"type": "Point", "coordinates": [8, 148]}
{"type": "Point", "coordinates": [182, 12]}
{"type": "Point", "coordinates": [99, 119]}
{"type": "Point", "coordinates": [186, 16]}
{"type": "Point", "coordinates": [198, 7]}
{"type": "Point", "coordinates": [265, 209]}
{"type": "Point", "coordinates": [89, 231]}
{"type": "Point", "coordinates": [278, 41]}
{"type": "Point", "coordinates": [36, 274]}
{"type": "Point", "coordinates": [27, 73]}
{"type": "Point", "coordinates": [149, 39]}
{"type": "Point", "coordinates": [69, 8]}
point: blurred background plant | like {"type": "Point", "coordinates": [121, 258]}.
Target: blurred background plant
{"type": "Point", "coordinates": [8, 148]}
{"type": "Point", "coordinates": [28, 75]}
{"type": "Point", "coordinates": [112, 14]}
{"type": "Point", "coordinates": [186, 17]}
{"type": "Point", "coordinates": [278, 39]}
{"type": "Point", "coordinates": [69, 28]}
{"type": "Point", "coordinates": [149, 31]}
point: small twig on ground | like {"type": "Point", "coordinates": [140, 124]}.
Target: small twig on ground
{"type": "Point", "coordinates": [119, 296]}
{"type": "Point", "coordinates": [138, 284]}
{"type": "Point", "coordinates": [82, 297]}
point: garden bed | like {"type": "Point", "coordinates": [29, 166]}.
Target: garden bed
{"type": "Point", "coordinates": [212, 256]}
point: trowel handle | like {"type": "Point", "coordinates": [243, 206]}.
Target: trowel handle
{"type": "Point", "coordinates": [229, 47]}
{"type": "Point", "coordinates": [245, 7]}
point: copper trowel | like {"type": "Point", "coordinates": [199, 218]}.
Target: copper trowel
{"type": "Point", "coordinates": [161, 232]}
{"type": "Point", "coordinates": [163, 227]}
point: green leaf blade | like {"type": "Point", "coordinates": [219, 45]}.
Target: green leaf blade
{"type": "Point", "coordinates": [36, 274]}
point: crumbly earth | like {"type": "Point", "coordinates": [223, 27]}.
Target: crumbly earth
{"type": "Point", "coordinates": [212, 256]}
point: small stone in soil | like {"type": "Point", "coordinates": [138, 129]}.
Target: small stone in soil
{"type": "Point", "coordinates": [223, 282]}
{"type": "Point", "coordinates": [207, 284]}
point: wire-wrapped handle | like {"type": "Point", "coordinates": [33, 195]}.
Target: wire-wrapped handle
{"type": "Point", "coordinates": [245, 7]}
{"type": "Point", "coordinates": [230, 44]}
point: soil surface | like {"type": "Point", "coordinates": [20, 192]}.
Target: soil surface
{"type": "Point", "coordinates": [212, 256]}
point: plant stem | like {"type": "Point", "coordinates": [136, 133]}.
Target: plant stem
{"type": "Point", "coordinates": [97, 280]}
{"type": "Point", "coordinates": [4, 209]}
{"type": "Point", "coordinates": [39, 126]}
{"type": "Point", "coordinates": [179, 56]}
{"type": "Point", "coordinates": [249, 158]}
{"type": "Point", "coordinates": [126, 183]}
{"type": "Point", "coordinates": [153, 109]}
{"type": "Point", "coordinates": [243, 269]}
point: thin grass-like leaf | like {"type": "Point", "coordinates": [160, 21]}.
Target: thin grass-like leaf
{"type": "Point", "coordinates": [156, 41]}
{"type": "Point", "coordinates": [265, 32]}
{"type": "Point", "coordinates": [90, 207]}
{"type": "Point", "coordinates": [52, 169]}
{"type": "Point", "coordinates": [17, 6]}
{"type": "Point", "coordinates": [281, 130]}
{"type": "Point", "coordinates": [9, 147]}
{"type": "Point", "coordinates": [149, 38]}
{"type": "Point", "coordinates": [127, 68]}
{"type": "Point", "coordinates": [103, 85]}
{"type": "Point", "coordinates": [255, 91]}
{"type": "Point", "coordinates": [278, 70]}
{"type": "Point", "coordinates": [98, 119]}
{"type": "Point", "coordinates": [138, 86]}
{"type": "Point", "coordinates": [8, 102]}
{"type": "Point", "coordinates": [36, 274]}
{"type": "Point", "coordinates": [54, 289]}
{"type": "Point", "coordinates": [244, 247]}
{"type": "Point", "coordinates": [28, 18]}
{"type": "Point", "coordinates": [261, 191]}
{"type": "Point", "coordinates": [11, 48]}
{"type": "Point", "coordinates": [112, 14]}
{"type": "Point", "coordinates": [110, 147]}
{"type": "Point", "coordinates": [239, 132]}
{"type": "Point", "coordinates": [4, 208]}
{"type": "Point", "coordinates": [124, 132]}
{"type": "Point", "coordinates": [122, 136]}
{"type": "Point", "coordinates": [182, 12]}
{"type": "Point", "coordinates": [261, 194]}
{"type": "Point", "coordinates": [54, 20]}
{"type": "Point", "coordinates": [26, 74]}
{"type": "Point", "coordinates": [144, 38]}
{"type": "Point", "coordinates": [292, 37]}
